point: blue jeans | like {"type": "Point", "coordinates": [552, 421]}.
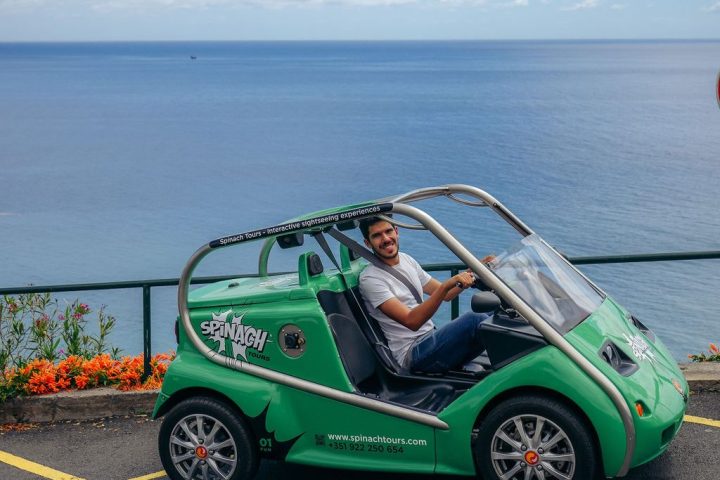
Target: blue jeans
{"type": "Point", "coordinates": [451, 346]}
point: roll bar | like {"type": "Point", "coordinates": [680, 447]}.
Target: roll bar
{"type": "Point", "coordinates": [400, 205]}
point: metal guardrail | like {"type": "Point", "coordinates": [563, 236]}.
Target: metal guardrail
{"type": "Point", "coordinates": [146, 285]}
{"type": "Point", "coordinates": [453, 268]}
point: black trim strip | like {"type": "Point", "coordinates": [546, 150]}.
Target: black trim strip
{"type": "Point", "coordinates": [300, 225]}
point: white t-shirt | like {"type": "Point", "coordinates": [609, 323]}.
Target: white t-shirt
{"type": "Point", "coordinates": [377, 287]}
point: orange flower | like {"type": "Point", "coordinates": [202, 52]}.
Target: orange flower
{"type": "Point", "coordinates": [9, 374]}
{"type": "Point", "coordinates": [129, 380]}
{"type": "Point", "coordinates": [152, 383]}
{"type": "Point", "coordinates": [42, 382]}
{"type": "Point", "coordinates": [81, 382]}
{"type": "Point", "coordinates": [42, 377]}
{"type": "Point", "coordinates": [36, 365]}
{"type": "Point", "coordinates": [72, 365]}
{"type": "Point", "coordinates": [101, 370]}
{"type": "Point", "coordinates": [63, 383]}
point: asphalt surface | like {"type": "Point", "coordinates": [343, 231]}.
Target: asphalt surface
{"type": "Point", "coordinates": [126, 448]}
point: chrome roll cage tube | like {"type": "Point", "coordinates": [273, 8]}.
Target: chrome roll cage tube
{"type": "Point", "coordinates": [400, 206]}
{"type": "Point", "coordinates": [492, 281]}
{"type": "Point", "coordinates": [263, 258]}
{"type": "Point", "coordinates": [451, 192]}
{"type": "Point", "coordinates": [281, 378]}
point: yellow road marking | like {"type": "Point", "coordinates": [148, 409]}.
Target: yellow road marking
{"type": "Point", "coordinates": [702, 421]}
{"type": "Point", "coordinates": [151, 476]}
{"type": "Point", "coordinates": [36, 468]}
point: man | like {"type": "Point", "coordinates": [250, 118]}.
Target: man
{"type": "Point", "coordinates": [407, 324]}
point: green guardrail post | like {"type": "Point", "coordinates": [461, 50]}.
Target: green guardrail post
{"type": "Point", "coordinates": [455, 304]}
{"type": "Point", "coordinates": [146, 331]}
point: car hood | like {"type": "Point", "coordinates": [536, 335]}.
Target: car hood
{"type": "Point", "coordinates": [653, 382]}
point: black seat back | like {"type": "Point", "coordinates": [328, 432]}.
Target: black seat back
{"type": "Point", "coordinates": [355, 351]}
{"type": "Point", "coordinates": [351, 305]}
{"type": "Point", "coordinates": [372, 329]}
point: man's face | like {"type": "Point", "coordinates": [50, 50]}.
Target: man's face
{"type": "Point", "coordinates": [383, 239]}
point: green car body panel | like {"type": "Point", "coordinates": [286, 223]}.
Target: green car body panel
{"type": "Point", "coordinates": [245, 318]}
{"type": "Point", "coordinates": [544, 371]}
{"type": "Point", "coordinates": [651, 384]}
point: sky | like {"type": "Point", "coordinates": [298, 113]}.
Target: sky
{"type": "Point", "coordinates": [142, 20]}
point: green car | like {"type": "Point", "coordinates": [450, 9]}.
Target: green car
{"type": "Point", "coordinates": [290, 366]}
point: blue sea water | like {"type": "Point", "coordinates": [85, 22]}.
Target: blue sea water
{"type": "Point", "coordinates": [118, 160]}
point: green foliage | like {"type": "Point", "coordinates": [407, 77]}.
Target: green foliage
{"type": "Point", "coordinates": [13, 385]}
{"type": "Point", "coordinates": [713, 355]}
{"type": "Point", "coordinates": [24, 329]}
{"type": "Point", "coordinates": [32, 326]}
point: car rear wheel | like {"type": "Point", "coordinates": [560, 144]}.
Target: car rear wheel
{"type": "Point", "coordinates": [204, 439]}
{"type": "Point", "coordinates": [534, 437]}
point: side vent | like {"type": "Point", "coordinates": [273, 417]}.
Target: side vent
{"type": "Point", "coordinates": [617, 359]}
{"type": "Point", "coordinates": [640, 326]}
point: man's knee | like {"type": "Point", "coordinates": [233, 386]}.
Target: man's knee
{"type": "Point", "coordinates": [477, 318]}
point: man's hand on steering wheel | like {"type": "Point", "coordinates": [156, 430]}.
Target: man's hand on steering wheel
{"type": "Point", "coordinates": [464, 279]}
{"type": "Point", "coordinates": [468, 278]}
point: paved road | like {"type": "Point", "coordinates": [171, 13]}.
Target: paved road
{"type": "Point", "coordinates": [125, 448]}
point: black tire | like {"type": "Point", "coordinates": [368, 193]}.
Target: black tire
{"type": "Point", "coordinates": [235, 455]}
{"type": "Point", "coordinates": [500, 442]}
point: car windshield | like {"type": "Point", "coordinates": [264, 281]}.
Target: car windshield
{"type": "Point", "coordinates": [546, 282]}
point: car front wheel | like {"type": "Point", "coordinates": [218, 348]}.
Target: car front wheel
{"type": "Point", "coordinates": [534, 437]}
{"type": "Point", "coordinates": [204, 439]}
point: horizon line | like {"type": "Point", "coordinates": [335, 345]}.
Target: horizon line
{"type": "Point", "coordinates": [370, 40]}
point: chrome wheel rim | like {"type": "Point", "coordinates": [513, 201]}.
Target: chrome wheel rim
{"type": "Point", "coordinates": [528, 447]}
{"type": "Point", "coordinates": [201, 448]}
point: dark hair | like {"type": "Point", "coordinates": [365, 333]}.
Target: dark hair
{"type": "Point", "coordinates": [368, 222]}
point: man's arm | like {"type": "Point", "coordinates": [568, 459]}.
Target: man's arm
{"type": "Point", "coordinates": [416, 317]}
{"type": "Point", "coordinates": [434, 284]}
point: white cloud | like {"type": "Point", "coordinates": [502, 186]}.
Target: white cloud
{"type": "Point", "coordinates": [461, 2]}
{"type": "Point", "coordinates": [584, 5]}
{"type": "Point", "coordinates": [8, 4]}
{"type": "Point", "coordinates": [618, 6]}
{"type": "Point", "coordinates": [114, 5]}
{"type": "Point", "coordinates": [503, 4]}
{"type": "Point", "coordinates": [713, 8]}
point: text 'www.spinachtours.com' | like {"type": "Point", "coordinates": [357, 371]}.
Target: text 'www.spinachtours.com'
{"type": "Point", "coordinates": [379, 439]}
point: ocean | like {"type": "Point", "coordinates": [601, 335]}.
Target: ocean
{"type": "Point", "coordinates": [119, 160]}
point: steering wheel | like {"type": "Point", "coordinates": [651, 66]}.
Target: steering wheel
{"type": "Point", "coordinates": [504, 306]}
{"type": "Point", "coordinates": [477, 283]}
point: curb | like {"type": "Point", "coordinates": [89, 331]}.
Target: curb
{"type": "Point", "coordinates": [702, 377]}
{"type": "Point", "coordinates": [108, 402]}
{"type": "Point", "coordinates": [77, 405]}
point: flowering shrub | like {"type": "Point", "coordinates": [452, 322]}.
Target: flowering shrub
{"type": "Point", "coordinates": [41, 376]}
{"type": "Point", "coordinates": [713, 355]}
{"type": "Point", "coordinates": [33, 326]}
{"type": "Point", "coordinates": [46, 349]}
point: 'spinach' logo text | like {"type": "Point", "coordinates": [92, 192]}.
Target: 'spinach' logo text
{"type": "Point", "coordinates": [242, 337]}
{"type": "Point", "coordinates": [640, 349]}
